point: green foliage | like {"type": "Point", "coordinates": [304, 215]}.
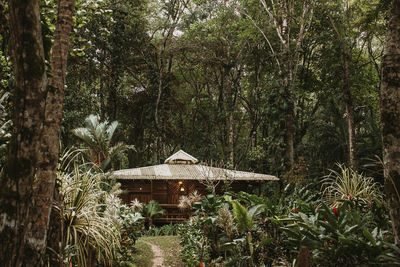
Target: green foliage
{"type": "Point", "coordinates": [132, 227]}
{"type": "Point", "coordinates": [165, 230]}
{"type": "Point", "coordinates": [224, 231]}
{"type": "Point", "coordinates": [346, 235]}
{"type": "Point", "coordinates": [243, 219]}
{"type": "Point", "coordinates": [209, 70]}
{"type": "Point", "coordinates": [132, 222]}
{"type": "Point", "coordinates": [245, 230]}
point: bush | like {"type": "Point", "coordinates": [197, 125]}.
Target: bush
{"type": "Point", "coordinates": [168, 229]}
{"type": "Point", "coordinates": [132, 227]}
{"type": "Point", "coordinates": [248, 230]}
{"type": "Point", "coordinates": [351, 234]}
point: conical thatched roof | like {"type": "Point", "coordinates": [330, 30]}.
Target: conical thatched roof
{"type": "Point", "coordinates": [181, 166]}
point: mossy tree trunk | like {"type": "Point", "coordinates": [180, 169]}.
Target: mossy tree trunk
{"type": "Point", "coordinates": [29, 102]}
{"type": "Point", "coordinates": [28, 183]}
{"type": "Point", "coordinates": [47, 165]}
{"type": "Point", "coordinates": [390, 117]}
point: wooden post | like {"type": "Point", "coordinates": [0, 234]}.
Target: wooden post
{"type": "Point", "coordinates": [151, 189]}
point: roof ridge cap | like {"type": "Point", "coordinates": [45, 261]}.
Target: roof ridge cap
{"type": "Point", "coordinates": [184, 159]}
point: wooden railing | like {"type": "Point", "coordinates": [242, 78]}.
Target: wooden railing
{"type": "Point", "coordinates": [172, 214]}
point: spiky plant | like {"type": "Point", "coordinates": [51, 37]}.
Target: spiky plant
{"type": "Point", "coordinates": [348, 184]}
{"type": "Point", "coordinates": [86, 227]}
{"type": "Point", "coordinates": [195, 196]}
{"type": "Point", "coordinates": [98, 137]}
{"type": "Point", "coordinates": [184, 203]}
{"type": "Point", "coordinates": [136, 205]}
{"type": "Point", "coordinates": [225, 221]}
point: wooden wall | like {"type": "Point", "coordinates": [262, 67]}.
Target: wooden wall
{"type": "Point", "coordinates": [169, 191]}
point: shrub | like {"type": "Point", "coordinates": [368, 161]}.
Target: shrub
{"type": "Point", "coordinates": [168, 229]}
{"type": "Point", "coordinates": [248, 230]}
{"type": "Point", "coordinates": [152, 210]}
{"type": "Point", "coordinates": [348, 235]}
{"type": "Point", "coordinates": [132, 227]}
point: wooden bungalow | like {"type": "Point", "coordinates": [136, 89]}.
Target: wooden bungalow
{"type": "Point", "coordinates": [179, 176]}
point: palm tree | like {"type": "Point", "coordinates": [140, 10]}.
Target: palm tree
{"type": "Point", "coordinates": [152, 210]}
{"type": "Point", "coordinates": [98, 136]}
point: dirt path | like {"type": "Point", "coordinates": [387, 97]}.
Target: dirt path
{"type": "Point", "coordinates": [158, 260]}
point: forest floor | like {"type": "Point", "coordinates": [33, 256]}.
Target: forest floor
{"type": "Point", "coordinates": [158, 251]}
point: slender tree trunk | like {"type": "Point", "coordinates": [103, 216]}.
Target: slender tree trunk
{"type": "Point", "coordinates": [16, 185]}
{"type": "Point", "coordinates": [230, 109]}
{"type": "Point", "coordinates": [290, 134]}
{"type": "Point", "coordinates": [390, 117]}
{"type": "Point", "coordinates": [348, 99]}
{"type": "Point", "coordinates": [281, 14]}
{"type": "Point", "coordinates": [47, 166]}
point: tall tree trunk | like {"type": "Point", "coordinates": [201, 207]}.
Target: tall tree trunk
{"type": "Point", "coordinates": [290, 134]}
{"type": "Point", "coordinates": [230, 109]}
{"type": "Point", "coordinates": [390, 117]}
{"type": "Point", "coordinates": [29, 98]}
{"type": "Point", "coordinates": [281, 14]}
{"type": "Point", "coordinates": [348, 100]}
{"type": "Point", "coordinates": [47, 166]}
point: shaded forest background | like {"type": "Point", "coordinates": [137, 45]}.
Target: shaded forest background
{"type": "Point", "coordinates": [288, 88]}
{"type": "Point", "coordinates": [224, 79]}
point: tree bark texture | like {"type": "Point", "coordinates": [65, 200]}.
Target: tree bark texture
{"type": "Point", "coordinates": [390, 117]}
{"type": "Point", "coordinates": [47, 165]}
{"type": "Point", "coordinates": [29, 98]}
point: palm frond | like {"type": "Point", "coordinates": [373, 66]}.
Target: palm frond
{"type": "Point", "coordinates": [110, 131]}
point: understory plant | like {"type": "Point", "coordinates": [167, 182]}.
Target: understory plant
{"type": "Point", "coordinates": [167, 229]}
{"type": "Point", "coordinates": [90, 230]}
{"type": "Point", "coordinates": [348, 184]}
{"type": "Point", "coordinates": [225, 231]}
{"type": "Point", "coordinates": [150, 211]}
{"type": "Point", "coordinates": [354, 233]}
{"type": "Point", "coordinates": [132, 226]}
{"type": "Point", "coordinates": [250, 230]}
